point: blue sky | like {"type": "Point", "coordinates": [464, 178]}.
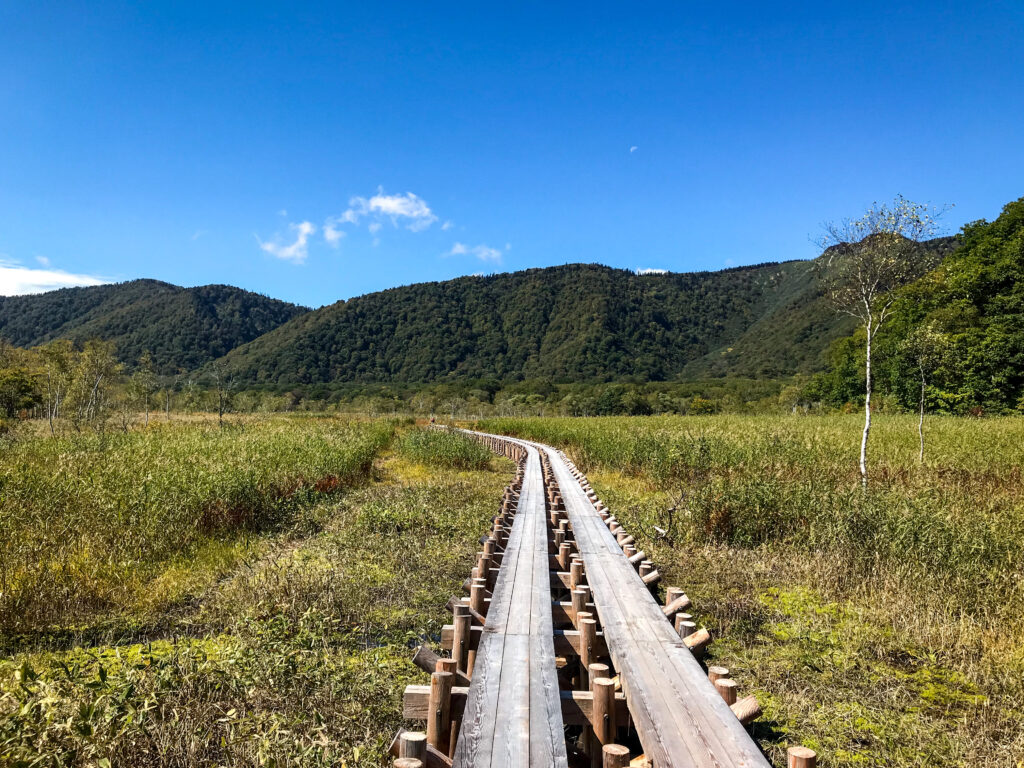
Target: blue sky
{"type": "Point", "coordinates": [315, 152]}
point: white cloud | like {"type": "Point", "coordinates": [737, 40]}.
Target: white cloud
{"type": "Point", "coordinates": [633, 149]}
{"type": "Point", "coordinates": [198, 233]}
{"type": "Point", "coordinates": [409, 210]}
{"type": "Point", "coordinates": [652, 271]}
{"type": "Point", "coordinates": [374, 227]}
{"type": "Point", "coordinates": [446, 226]}
{"type": "Point", "coordinates": [482, 252]}
{"type": "Point", "coordinates": [332, 234]}
{"type": "Point", "coordinates": [295, 252]}
{"type": "Point", "coordinates": [16, 280]}
{"type": "Point", "coordinates": [43, 260]}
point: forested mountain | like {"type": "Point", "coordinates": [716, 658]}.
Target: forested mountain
{"type": "Point", "coordinates": [183, 328]}
{"type": "Point", "coordinates": [570, 323]}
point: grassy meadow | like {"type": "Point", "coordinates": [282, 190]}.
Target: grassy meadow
{"type": "Point", "coordinates": [883, 628]}
{"type": "Point", "coordinates": [245, 597]}
{"type": "Point", "coordinates": [183, 595]}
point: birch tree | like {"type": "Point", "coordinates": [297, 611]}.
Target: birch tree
{"type": "Point", "coordinates": [865, 260]}
{"type": "Point", "coordinates": [925, 348]}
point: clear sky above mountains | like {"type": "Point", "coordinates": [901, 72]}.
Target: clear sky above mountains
{"type": "Point", "coordinates": [318, 151]}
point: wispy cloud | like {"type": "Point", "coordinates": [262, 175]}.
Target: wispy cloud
{"type": "Point", "coordinates": [633, 149]}
{"type": "Point", "coordinates": [446, 226]}
{"type": "Point", "coordinates": [332, 234]}
{"type": "Point", "coordinates": [16, 280]}
{"type": "Point", "coordinates": [651, 271]}
{"type": "Point", "coordinates": [408, 210]}
{"type": "Point", "coordinates": [482, 252]}
{"type": "Point", "coordinates": [294, 252]}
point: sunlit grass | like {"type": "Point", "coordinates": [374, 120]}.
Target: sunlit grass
{"type": "Point", "coordinates": [884, 628]}
{"type": "Point", "coordinates": [90, 521]}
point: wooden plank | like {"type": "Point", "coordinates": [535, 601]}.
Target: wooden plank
{"type": "Point", "coordinates": [513, 713]}
{"type": "Point", "coordinates": [576, 706]}
{"type": "Point", "coordinates": [678, 714]}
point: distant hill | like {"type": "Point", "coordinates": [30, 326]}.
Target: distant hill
{"type": "Point", "coordinates": [569, 323]}
{"type": "Point", "coordinates": [181, 327]}
{"type": "Point", "coordinates": [572, 323]}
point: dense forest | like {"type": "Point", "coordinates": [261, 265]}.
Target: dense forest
{"type": "Point", "coordinates": [181, 328]}
{"type": "Point", "coordinates": [957, 333]}
{"type": "Point", "coordinates": [579, 322]}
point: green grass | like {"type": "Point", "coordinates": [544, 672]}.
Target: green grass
{"type": "Point", "coordinates": [90, 523]}
{"type": "Point", "coordinates": [297, 657]}
{"type": "Point", "coordinates": [884, 628]}
{"type": "Point", "coordinates": [444, 448]}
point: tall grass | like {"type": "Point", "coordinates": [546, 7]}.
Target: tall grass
{"type": "Point", "coordinates": [87, 521]}
{"type": "Point", "coordinates": [444, 448]}
{"type": "Point", "coordinates": [902, 604]}
{"type": "Point", "coordinates": [302, 654]}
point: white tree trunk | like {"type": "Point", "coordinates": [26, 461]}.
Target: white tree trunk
{"type": "Point", "coordinates": [867, 411]}
{"type": "Point", "coordinates": [920, 422]}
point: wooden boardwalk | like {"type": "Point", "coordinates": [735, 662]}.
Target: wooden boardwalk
{"type": "Point", "coordinates": [561, 655]}
{"type": "Point", "coordinates": [513, 715]}
{"type": "Point", "coordinates": [682, 720]}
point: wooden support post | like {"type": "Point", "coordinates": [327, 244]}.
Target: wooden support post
{"type": "Point", "coordinates": [672, 593]}
{"type": "Point", "coordinates": [460, 643]}
{"type": "Point", "coordinates": [476, 596]}
{"type": "Point", "coordinates": [698, 642]}
{"type": "Point", "coordinates": [484, 571]}
{"type": "Point", "coordinates": [652, 577]}
{"type": "Point", "coordinates": [603, 691]}
{"type": "Point", "coordinates": [413, 744]}
{"type": "Point", "coordinates": [407, 762]}
{"type": "Point", "coordinates": [637, 558]}
{"type": "Point", "coordinates": [563, 554]}
{"type": "Point", "coordinates": [717, 673]}
{"type": "Point", "coordinates": [684, 628]}
{"type": "Point", "coordinates": [579, 605]}
{"type": "Point", "coordinates": [439, 710]}
{"type": "Point", "coordinates": [802, 757]}
{"type": "Point", "coordinates": [747, 710]}
{"type": "Point", "coordinates": [615, 756]}
{"type": "Point", "coordinates": [681, 603]}
{"type": "Point", "coordinates": [575, 572]}
{"type": "Point", "coordinates": [727, 690]}
{"type": "Point", "coordinates": [629, 550]}
{"type": "Point", "coordinates": [588, 639]}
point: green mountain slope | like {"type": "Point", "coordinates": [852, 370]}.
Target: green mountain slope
{"type": "Point", "coordinates": [569, 323]}
{"type": "Point", "coordinates": [181, 327]}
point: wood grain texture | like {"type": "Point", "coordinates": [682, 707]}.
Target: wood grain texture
{"type": "Point", "coordinates": [513, 712]}
{"type": "Point", "coordinates": [680, 717]}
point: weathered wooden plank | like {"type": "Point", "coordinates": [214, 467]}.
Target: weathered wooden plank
{"type": "Point", "coordinates": [577, 707]}
{"type": "Point", "coordinates": [513, 714]}
{"type": "Point", "coordinates": [680, 718]}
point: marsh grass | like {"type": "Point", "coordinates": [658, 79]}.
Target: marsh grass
{"type": "Point", "coordinates": [444, 448]}
{"type": "Point", "coordinates": [884, 627]}
{"type": "Point", "coordinates": [91, 522]}
{"type": "Point", "coordinates": [298, 657]}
